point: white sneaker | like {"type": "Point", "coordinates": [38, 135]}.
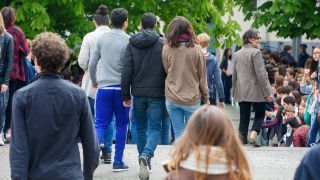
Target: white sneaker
{"type": "Point", "coordinates": [1, 140]}
{"type": "Point", "coordinates": [144, 170]}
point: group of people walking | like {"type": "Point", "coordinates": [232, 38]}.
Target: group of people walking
{"type": "Point", "coordinates": [13, 74]}
{"type": "Point", "coordinates": [154, 76]}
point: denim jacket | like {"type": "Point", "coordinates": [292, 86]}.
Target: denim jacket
{"type": "Point", "coordinates": [214, 77]}
{"type": "Point", "coordinates": [305, 89]}
{"type": "Point", "coordinates": [6, 57]}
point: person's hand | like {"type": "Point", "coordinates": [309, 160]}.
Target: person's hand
{"type": "Point", "coordinates": [4, 88]}
{"type": "Point", "coordinates": [267, 113]}
{"type": "Point", "coordinates": [95, 85]}
{"type": "Point", "coordinates": [306, 72]}
{"type": "Point", "coordinates": [221, 105]}
{"type": "Point", "coordinates": [270, 99]}
{"type": "Point", "coordinates": [284, 119]}
{"type": "Point", "coordinates": [127, 103]}
{"type": "Point", "coordinates": [313, 75]}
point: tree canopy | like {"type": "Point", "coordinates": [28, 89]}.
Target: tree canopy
{"type": "Point", "coordinates": [288, 18]}
{"type": "Point", "coordinates": [73, 18]}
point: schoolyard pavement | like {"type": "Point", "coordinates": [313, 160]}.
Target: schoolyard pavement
{"type": "Point", "coordinates": [268, 163]}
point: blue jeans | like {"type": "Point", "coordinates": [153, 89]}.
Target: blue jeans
{"type": "Point", "coordinates": [179, 115]}
{"type": "Point", "coordinates": [172, 132]}
{"type": "Point", "coordinates": [313, 131]}
{"type": "Point", "coordinates": [165, 125]}
{"type": "Point", "coordinates": [108, 135]}
{"type": "Point", "coordinates": [109, 103]}
{"type": "Point", "coordinates": [3, 105]}
{"type": "Point", "coordinates": [133, 130]}
{"type": "Point", "coordinates": [91, 103]}
{"type": "Point", "coordinates": [165, 130]}
{"type": "Point", "coordinates": [213, 97]}
{"type": "Point", "coordinates": [148, 113]}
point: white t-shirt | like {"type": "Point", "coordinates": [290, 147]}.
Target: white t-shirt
{"type": "Point", "coordinates": [229, 68]}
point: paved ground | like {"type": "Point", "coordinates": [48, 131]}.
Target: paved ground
{"type": "Point", "coordinates": [267, 162]}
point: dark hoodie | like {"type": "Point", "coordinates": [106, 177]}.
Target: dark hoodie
{"type": "Point", "coordinates": [142, 66]}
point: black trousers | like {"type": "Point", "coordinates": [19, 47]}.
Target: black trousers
{"type": "Point", "coordinates": [245, 110]}
{"type": "Point", "coordinates": [13, 87]}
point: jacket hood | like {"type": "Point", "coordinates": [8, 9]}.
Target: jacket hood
{"type": "Point", "coordinates": [144, 39]}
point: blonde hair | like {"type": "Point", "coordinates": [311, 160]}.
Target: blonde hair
{"type": "Point", "coordinates": [2, 26]}
{"type": "Point", "coordinates": [210, 126]}
{"type": "Point", "coordinates": [204, 39]}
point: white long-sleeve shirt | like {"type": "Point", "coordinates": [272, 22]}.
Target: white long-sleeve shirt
{"type": "Point", "coordinates": [87, 47]}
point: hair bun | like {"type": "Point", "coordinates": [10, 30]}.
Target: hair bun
{"type": "Point", "coordinates": [102, 10]}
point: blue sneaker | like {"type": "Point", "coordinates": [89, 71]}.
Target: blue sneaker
{"type": "Point", "coordinates": [119, 167]}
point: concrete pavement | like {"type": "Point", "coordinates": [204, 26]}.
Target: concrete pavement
{"type": "Point", "coordinates": [267, 162]}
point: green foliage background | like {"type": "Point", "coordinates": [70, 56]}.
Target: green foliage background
{"type": "Point", "coordinates": [73, 18]}
{"type": "Point", "coordinates": [288, 18]}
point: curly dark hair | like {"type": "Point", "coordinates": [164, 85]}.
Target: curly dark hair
{"type": "Point", "coordinates": [51, 51]}
{"type": "Point", "coordinates": [178, 26]}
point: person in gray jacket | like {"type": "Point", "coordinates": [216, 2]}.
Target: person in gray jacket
{"type": "Point", "coordinates": [105, 72]}
{"type": "Point", "coordinates": [49, 116]}
{"type": "Point", "coordinates": [6, 60]}
{"type": "Point", "coordinates": [250, 85]}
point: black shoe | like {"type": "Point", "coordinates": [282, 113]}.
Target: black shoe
{"type": "Point", "coordinates": [106, 157]}
{"type": "Point", "coordinates": [149, 164]}
{"type": "Point", "coordinates": [227, 102]}
{"type": "Point", "coordinates": [144, 169]}
{"type": "Point", "coordinates": [120, 167]}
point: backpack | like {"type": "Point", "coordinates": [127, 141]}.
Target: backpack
{"type": "Point", "coordinates": [29, 70]}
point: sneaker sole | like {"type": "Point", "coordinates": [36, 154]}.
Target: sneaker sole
{"type": "Point", "coordinates": [144, 170]}
{"type": "Point", "coordinates": [106, 162]}
{"type": "Point", "coordinates": [119, 170]}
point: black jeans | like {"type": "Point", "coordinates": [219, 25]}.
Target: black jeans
{"type": "Point", "coordinates": [245, 110]}
{"type": "Point", "coordinates": [227, 85]}
{"type": "Point", "coordinates": [13, 87]}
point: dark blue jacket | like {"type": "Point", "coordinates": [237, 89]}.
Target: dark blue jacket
{"type": "Point", "coordinates": [302, 59]}
{"type": "Point", "coordinates": [6, 57]}
{"type": "Point", "coordinates": [49, 116]}
{"type": "Point", "coordinates": [290, 58]}
{"type": "Point", "coordinates": [309, 166]}
{"type": "Point", "coordinates": [214, 77]}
